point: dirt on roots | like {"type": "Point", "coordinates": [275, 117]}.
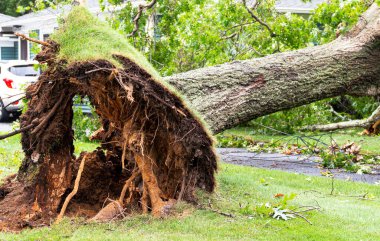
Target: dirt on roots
{"type": "Point", "coordinates": [153, 149]}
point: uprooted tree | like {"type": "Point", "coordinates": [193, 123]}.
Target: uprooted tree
{"type": "Point", "coordinates": [153, 148]}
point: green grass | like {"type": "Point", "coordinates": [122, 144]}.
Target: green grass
{"type": "Point", "coordinates": [344, 216]}
{"type": "Point", "coordinates": [370, 144]}
{"type": "Point", "coordinates": [83, 37]}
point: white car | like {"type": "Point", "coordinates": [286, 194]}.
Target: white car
{"type": "Point", "coordinates": [14, 77]}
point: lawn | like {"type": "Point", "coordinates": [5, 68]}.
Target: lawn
{"type": "Point", "coordinates": [343, 216]}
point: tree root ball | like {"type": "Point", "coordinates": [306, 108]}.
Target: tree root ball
{"type": "Point", "coordinates": [153, 148]}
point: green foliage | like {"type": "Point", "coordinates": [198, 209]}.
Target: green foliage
{"type": "Point", "coordinates": [336, 17]}
{"type": "Point", "coordinates": [224, 30]}
{"type": "Point", "coordinates": [19, 7]}
{"type": "Point", "coordinates": [9, 7]}
{"type": "Point", "coordinates": [278, 203]}
{"type": "Point", "coordinates": [234, 141]}
{"type": "Point", "coordinates": [84, 125]}
{"type": "Point", "coordinates": [290, 121]}
{"type": "Point", "coordinates": [336, 160]}
{"type": "Point", "coordinates": [347, 162]}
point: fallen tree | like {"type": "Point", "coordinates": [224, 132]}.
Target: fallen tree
{"type": "Point", "coordinates": [149, 134]}
{"type": "Point", "coordinates": [233, 93]}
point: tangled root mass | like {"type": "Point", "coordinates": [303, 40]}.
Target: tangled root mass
{"type": "Point", "coordinates": [153, 149]}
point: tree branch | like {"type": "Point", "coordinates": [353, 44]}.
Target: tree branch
{"type": "Point", "coordinates": [272, 34]}
{"type": "Point", "coordinates": [138, 16]}
{"type": "Point", "coordinates": [23, 36]}
{"type": "Point", "coordinates": [365, 123]}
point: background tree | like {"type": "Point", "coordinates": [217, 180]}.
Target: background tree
{"type": "Point", "coordinates": [19, 7]}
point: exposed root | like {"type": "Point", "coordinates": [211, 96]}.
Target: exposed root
{"type": "Point", "coordinates": [144, 200]}
{"type": "Point", "coordinates": [42, 124]}
{"type": "Point", "coordinates": [145, 127]}
{"type": "Point", "coordinates": [73, 192]}
{"type": "Point", "coordinates": [17, 131]}
{"type": "Point", "coordinates": [127, 185]}
{"type": "Point", "coordinates": [145, 165]}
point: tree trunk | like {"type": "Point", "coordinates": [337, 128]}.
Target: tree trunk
{"type": "Point", "coordinates": [234, 93]}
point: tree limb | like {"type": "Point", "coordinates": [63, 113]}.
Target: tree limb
{"type": "Point", "coordinates": [23, 36]}
{"type": "Point", "coordinates": [365, 123]}
{"type": "Point", "coordinates": [136, 19]}
{"type": "Point", "coordinates": [273, 34]}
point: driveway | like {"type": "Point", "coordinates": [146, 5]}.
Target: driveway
{"type": "Point", "coordinates": [307, 165]}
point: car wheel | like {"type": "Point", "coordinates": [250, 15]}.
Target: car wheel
{"type": "Point", "coordinates": [4, 114]}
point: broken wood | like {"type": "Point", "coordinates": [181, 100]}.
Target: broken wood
{"type": "Point", "coordinates": [23, 36]}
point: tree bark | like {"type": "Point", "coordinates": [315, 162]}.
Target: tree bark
{"type": "Point", "coordinates": [230, 94]}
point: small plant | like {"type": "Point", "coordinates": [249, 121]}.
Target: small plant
{"type": "Point", "coordinates": [347, 157]}
{"type": "Point", "coordinates": [277, 208]}
{"type": "Point", "coordinates": [234, 141]}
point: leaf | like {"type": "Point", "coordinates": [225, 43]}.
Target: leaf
{"type": "Point", "coordinates": [282, 214]}
{"type": "Point", "coordinates": [278, 195]}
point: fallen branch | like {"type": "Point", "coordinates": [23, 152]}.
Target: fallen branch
{"type": "Point", "coordinates": [30, 126]}
{"type": "Point", "coordinates": [73, 192]}
{"type": "Point", "coordinates": [23, 36]}
{"type": "Point", "coordinates": [365, 123]}
{"type": "Point", "coordinates": [210, 208]}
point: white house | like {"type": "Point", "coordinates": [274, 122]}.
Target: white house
{"type": "Point", "coordinates": [44, 22]}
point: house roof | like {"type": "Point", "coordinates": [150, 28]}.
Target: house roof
{"type": "Point", "coordinates": [297, 6]}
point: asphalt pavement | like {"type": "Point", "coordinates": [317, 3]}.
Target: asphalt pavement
{"type": "Point", "coordinates": [300, 164]}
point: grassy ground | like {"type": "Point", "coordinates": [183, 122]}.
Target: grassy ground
{"type": "Point", "coordinates": [344, 215]}
{"type": "Point", "coordinates": [370, 144]}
